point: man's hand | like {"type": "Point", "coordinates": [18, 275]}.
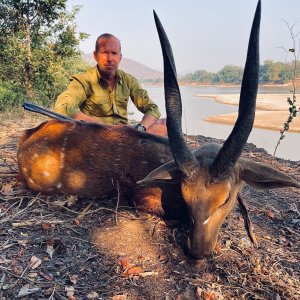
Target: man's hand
{"type": "Point", "coordinates": [83, 117]}
{"type": "Point", "coordinates": [154, 126]}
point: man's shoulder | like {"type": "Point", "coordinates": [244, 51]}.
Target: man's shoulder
{"type": "Point", "coordinates": [126, 76]}
{"type": "Point", "coordinates": [88, 75]}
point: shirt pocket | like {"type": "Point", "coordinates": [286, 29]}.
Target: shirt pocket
{"type": "Point", "coordinates": [122, 102]}
{"type": "Point", "coordinates": [99, 105]}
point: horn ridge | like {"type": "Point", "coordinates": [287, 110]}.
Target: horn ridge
{"type": "Point", "coordinates": [233, 146]}
{"type": "Point", "coordinates": [183, 157]}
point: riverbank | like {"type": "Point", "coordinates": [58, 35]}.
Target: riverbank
{"type": "Point", "coordinates": [272, 111]}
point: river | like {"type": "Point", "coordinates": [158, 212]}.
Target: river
{"type": "Point", "coordinates": [195, 109]}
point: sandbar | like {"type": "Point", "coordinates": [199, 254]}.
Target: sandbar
{"type": "Point", "coordinates": [271, 111]}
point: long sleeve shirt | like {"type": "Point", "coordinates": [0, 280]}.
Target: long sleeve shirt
{"type": "Point", "coordinates": [90, 93]}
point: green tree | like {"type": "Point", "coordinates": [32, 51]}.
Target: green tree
{"type": "Point", "coordinates": [38, 39]}
{"type": "Point", "coordinates": [231, 74]}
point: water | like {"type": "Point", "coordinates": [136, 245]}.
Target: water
{"type": "Point", "coordinates": [195, 109]}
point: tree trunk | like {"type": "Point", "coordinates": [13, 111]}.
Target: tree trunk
{"type": "Point", "coordinates": [28, 64]}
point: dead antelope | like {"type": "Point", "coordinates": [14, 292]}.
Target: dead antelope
{"type": "Point", "coordinates": [92, 160]}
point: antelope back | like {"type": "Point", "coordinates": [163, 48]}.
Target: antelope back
{"type": "Point", "coordinates": [88, 160]}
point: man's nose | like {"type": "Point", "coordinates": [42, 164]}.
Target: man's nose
{"type": "Point", "coordinates": [109, 57]}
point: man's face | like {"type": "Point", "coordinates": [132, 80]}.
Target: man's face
{"type": "Point", "coordinates": [108, 56]}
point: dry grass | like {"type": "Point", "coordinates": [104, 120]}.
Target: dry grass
{"type": "Point", "coordinates": [56, 245]}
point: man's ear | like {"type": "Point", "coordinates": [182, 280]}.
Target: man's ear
{"type": "Point", "coordinates": [263, 177]}
{"type": "Point", "coordinates": [95, 55]}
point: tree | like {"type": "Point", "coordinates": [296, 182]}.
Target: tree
{"type": "Point", "coordinates": [38, 38]}
{"type": "Point", "coordinates": [231, 74]}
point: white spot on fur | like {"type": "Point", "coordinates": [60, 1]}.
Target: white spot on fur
{"type": "Point", "coordinates": [59, 185]}
{"type": "Point", "coordinates": [46, 174]}
{"type": "Point", "coordinates": [30, 180]}
{"type": "Point", "coordinates": [207, 220]}
{"type": "Point", "coordinates": [35, 155]}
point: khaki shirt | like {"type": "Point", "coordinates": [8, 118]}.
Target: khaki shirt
{"type": "Point", "coordinates": [92, 95]}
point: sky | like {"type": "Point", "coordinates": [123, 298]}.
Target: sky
{"type": "Point", "coordinates": [204, 34]}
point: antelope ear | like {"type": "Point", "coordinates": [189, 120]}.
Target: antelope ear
{"type": "Point", "coordinates": [168, 171]}
{"type": "Point", "coordinates": [263, 177]}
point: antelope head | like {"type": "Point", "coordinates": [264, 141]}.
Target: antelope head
{"type": "Point", "coordinates": [211, 176]}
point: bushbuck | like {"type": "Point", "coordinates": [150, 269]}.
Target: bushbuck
{"type": "Point", "coordinates": [92, 160]}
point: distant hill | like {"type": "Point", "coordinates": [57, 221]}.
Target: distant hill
{"type": "Point", "coordinates": [138, 70]}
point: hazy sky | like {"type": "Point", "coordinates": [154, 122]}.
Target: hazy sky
{"type": "Point", "coordinates": [204, 34]}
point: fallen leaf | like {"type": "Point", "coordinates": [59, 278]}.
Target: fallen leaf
{"type": "Point", "coordinates": [46, 226]}
{"type": "Point", "coordinates": [71, 200]}
{"type": "Point", "coordinates": [3, 260]}
{"type": "Point", "coordinates": [35, 262]}
{"type": "Point", "coordinates": [23, 243]}
{"type": "Point", "coordinates": [17, 269]}
{"type": "Point", "coordinates": [119, 297]}
{"type": "Point", "coordinates": [76, 222]}
{"type": "Point", "coordinates": [73, 278]}
{"type": "Point", "coordinates": [124, 262]}
{"type": "Point", "coordinates": [7, 189]}
{"type": "Point", "coordinates": [26, 290]}
{"type": "Point", "coordinates": [270, 214]}
{"type": "Point", "coordinates": [69, 290]}
{"type": "Point", "coordinates": [46, 276]}
{"type": "Point", "coordinates": [146, 274]}
{"type": "Point", "coordinates": [50, 250]}
{"type": "Point", "coordinates": [199, 293]}
{"type": "Point", "coordinates": [20, 252]}
{"type": "Point", "coordinates": [132, 271]}
{"type": "Point", "coordinates": [92, 295]}
{"type": "Point", "coordinates": [59, 203]}
{"type": "Point", "coordinates": [32, 275]}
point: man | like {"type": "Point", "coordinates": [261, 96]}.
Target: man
{"type": "Point", "coordinates": [101, 94]}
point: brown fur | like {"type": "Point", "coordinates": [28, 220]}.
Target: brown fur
{"type": "Point", "coordinates": [89, 160]}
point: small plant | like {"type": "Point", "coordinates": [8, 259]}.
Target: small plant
{"type": "Point", "coordinates": [293, 110]}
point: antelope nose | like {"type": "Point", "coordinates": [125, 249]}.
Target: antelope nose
{"type": "Point", "coordinates": [192, 253]}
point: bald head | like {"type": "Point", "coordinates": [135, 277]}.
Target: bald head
{"type": "Point", "coordinates": [105, 36]}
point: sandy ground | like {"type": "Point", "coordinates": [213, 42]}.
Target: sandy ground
{"type": "Point", "coordinates": [272, 111]}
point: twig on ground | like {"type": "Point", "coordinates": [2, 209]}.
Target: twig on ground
{"type": "Point", "coordinates": [83, 213]}
{"type": "Point", "coordinates": [37, 222]}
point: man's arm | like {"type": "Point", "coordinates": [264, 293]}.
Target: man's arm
{"type": "Point", "coordinates": [68, 102]}
{"type": "Point", "coordinates": [143, 103]}
{"type": "Point", "coordinates": [83, 117]}
{"type": "Point", "coordinates": [147, 121]}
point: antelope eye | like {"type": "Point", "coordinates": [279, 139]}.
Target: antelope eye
{"type": "Point", "coordinates": [226, 201]}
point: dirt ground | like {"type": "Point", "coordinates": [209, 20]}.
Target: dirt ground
{"type": "Point", "coordinates": [54, 247]}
